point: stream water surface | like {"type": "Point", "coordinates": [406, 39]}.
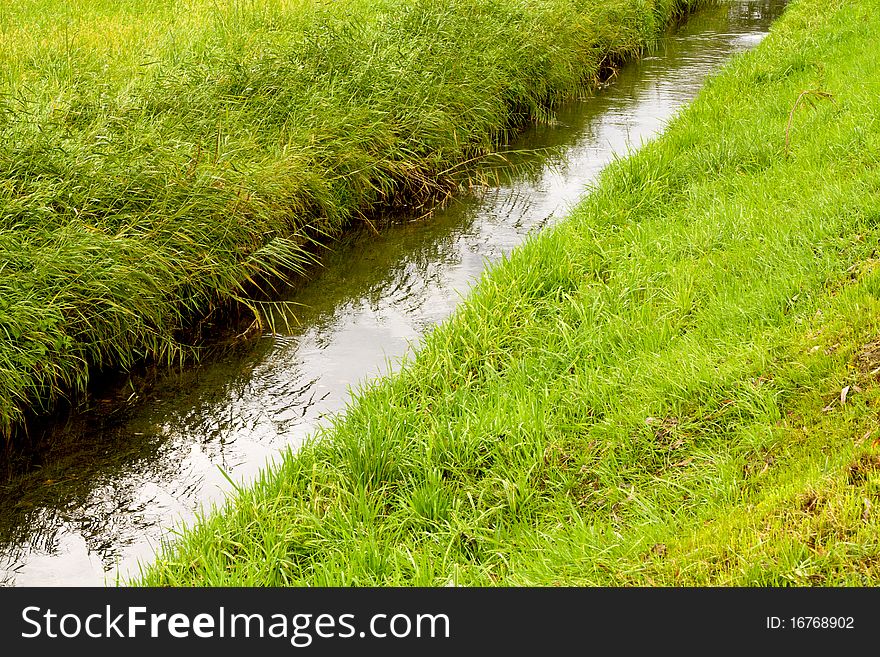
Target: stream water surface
{"type": "Point", "coordinates": [93, 494]}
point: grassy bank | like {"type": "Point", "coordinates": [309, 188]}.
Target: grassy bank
{"type": "Point", "coordinates": [677, 385]}
{"type": "Point", "coordinates": [163, 159]}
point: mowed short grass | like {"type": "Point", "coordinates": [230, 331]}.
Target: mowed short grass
{"type": "Point", "coordinates": [677, 385]}
{"type": "Point", "coordinates": [164, 161]}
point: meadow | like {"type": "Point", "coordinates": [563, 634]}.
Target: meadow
{"type": "Point", "coordinates": [165, 165]}
{"type": "Point", "coordinates": [676, 385]}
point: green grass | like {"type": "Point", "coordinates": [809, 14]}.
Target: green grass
{"type": "Point", "coordinates": [162, 160]}
{"type": "Point", "coordinates": [648, 393]}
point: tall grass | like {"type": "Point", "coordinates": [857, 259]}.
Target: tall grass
{"type": "Point", "coordinates": [676, 385]}
{"type": "Point", "coordinates": [161, 159]}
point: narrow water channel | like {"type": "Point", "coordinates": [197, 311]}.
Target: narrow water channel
{"type": "Point", "coordinates": [95, 493]}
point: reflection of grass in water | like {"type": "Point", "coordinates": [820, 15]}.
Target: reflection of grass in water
{"type": "Point", "coordinates": [53, 473]}
{"type": "Point", "coordinates": [675, 386]}
{"type": "Point", "coordinates": [159, 158]}
{"type": "Point", "coordinates": [44, 481]}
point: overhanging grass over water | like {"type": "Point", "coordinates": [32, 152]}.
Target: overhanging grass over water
{"type": "Point", "coordinates": [159, 159]}
{"type": "Point", "coordinates": [677, 385]}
